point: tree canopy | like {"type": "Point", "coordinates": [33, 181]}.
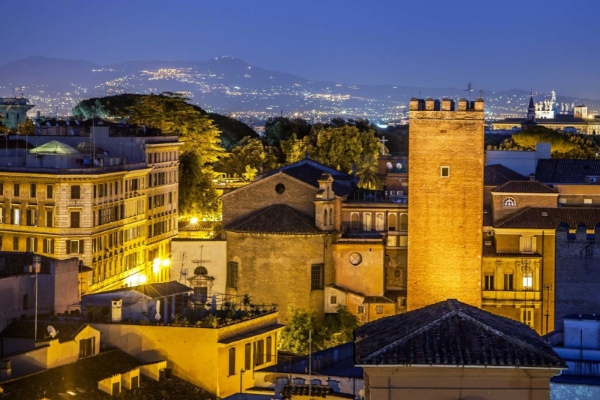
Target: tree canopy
{"type": "Point", "coordinates": [250, 154]}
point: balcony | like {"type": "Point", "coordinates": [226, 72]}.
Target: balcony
{"type": "Point", "coordinates": [514, 297]}
{"type": "Point", "coordinates": [378, 196]}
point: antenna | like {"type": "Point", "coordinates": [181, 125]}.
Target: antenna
{"type": "Point", "coordinates": [481, 94]}
{"type": "Point", "coordinates": [469, 89]}
{"type": "Point", "coordinates": [51, 331]}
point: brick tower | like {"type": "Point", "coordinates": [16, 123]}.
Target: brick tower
{"type": "Point", "coordinates": [445, 199]}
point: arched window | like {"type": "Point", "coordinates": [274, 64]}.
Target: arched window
{"type": "Point", "coordinates": [392, 222]}
{"type": "Point", "coordinates": [489, 279]}
{"type": "Point", "coordinates": [509, 202]}
{"type": "Point", "coordinates": [331, 216]}
{"type": "Point", "coordinates": [403, 222]}
{"type": "Point", "coordinates": [379, 222]}
{"type": "Point", "coordinates": [354, 222]}
{"type": "Point", "coordinates": [325, 217]}
{"type": "Point", "coordinates": [367, 226]}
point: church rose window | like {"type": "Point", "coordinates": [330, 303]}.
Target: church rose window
{"type": "Point", "coordinates": [355, 258]}
{"type": "Point", "coordinates": [280, 188]}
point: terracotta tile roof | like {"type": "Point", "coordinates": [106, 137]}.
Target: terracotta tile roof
{"type": "Point", "coordinates": [524, 187]}
{"type": "Point", "coordinates": [394, 294]}
{"type": "Point", "coordinates": [277, 218]}
{"type": "Point", "coordinates": [498, 174]}
{"type": "Point", "coordinates": [489, 250]}
{"type": "Point", "coordinates": [556, 170]}
{"type": "Point", "coordinates": [82, 378]}
{"type": "Point", "coordinates": [291, 391]}
{"type": "Point", "coordinates": [550, 218]}
{"type": "Point", "coordinates": [25, 329]}
{"type": "Point", "coordinates": [377, 300]}
{"type": "Point", "coordinates": [452, 333]}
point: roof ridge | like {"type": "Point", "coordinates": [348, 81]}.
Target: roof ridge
{"type": "Point", "coordinates": [504, 335]}
{"type": "Point", "coordinates": [414, 332]}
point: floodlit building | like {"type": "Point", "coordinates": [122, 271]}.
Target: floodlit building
{"type": "Point", "coordinates": [13, 111]}
{"type": "Point", "coordinates": [106, 194]}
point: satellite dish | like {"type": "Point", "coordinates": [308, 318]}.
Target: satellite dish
{"type": "Point", "coordinates": [398, 165]}
{"type": "Point", "coordinates": [51, 331]}
{"type": "Point", "coordinates": [389, 165]}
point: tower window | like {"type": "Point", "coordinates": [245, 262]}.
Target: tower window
{"type": "Point", "coordinates": [445, 172]}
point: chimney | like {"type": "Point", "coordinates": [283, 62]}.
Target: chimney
{"type": "Point", "coordinates": [532, 177]}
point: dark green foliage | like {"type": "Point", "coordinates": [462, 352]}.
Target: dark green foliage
{"type": "Point", "coordinates": [232, 130]}
{"type": "Point", "coordinates": [249, 155]}
{"type": "Point", "coordinates": [197, 195]}
{"type": "Point", "coordinates": [281, 128]}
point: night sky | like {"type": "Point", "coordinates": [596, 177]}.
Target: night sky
{"type": "Point", "coordinates": [498, 45]}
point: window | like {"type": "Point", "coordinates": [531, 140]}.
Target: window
{"type": "Point", "coordinates": [333, 300]}
{"type": "Point", "coordinates": [259, 352]}
{"type": "Point", "coordinates": [32, 245]}
{"type": "Point", "coordinates": [445, 172]}
{"type": "Point", "coordinates": [247, 357]}
{"type": "Point", "coordinates": [527, 244]}
{"type": "Point", "coordinates": [31, 217]}
{"type": "Point", "coordinates": [587, 201]}
{"type": "Point", "coordinates": [509, 202]}
{"type": "Point", "coordinates": [403, 222]}
{"type": "Point", "coordinates": [232, 361]}
{"type": "Point", "coordinates": [527, 277]}
{"type": "Point", "coordinates": [280, 188]}
{"type": "Point", "coordinates": [392, 222]}
{"type": "Point", "coordinates": [87, 347]}
{"type": "Point", "coordinates": [361, 309]}
{"type": "Point", "coordinates": [379, 309]}
{"type": "Point", "coordinates": [75, 192]}
{"type": "Point", "coordinates": [16, 216]}
{"type": "Point", "coordinates": [325, 217]}
{"type": "Point", "coordinates": [489, 281]}
{"type": "Point", "coordinates": [16, 190]}
{"type": "Point", "coordinates": [25, 302]}
{"type": "Point", "coordinates": [15, 243]}
{"type": "Point", "coordinates": [354, 225]}
{"type": "Point", "coordinates": [508, 281]}
{"type": "Point", "coordinates": [398, 273]}
{"type": "Point", "coordinates": [330, 216]}
{"type": "Point", "coordinates": [49, 191]}
{"type": "Point", "coordinates": [379, 222]}
{"type": "Point", "coordinates": [367, 226]}
{"type": "Point", "coordinates": [75, 246]}
{"type": "Point", "coordinates": [232, 274]}
{"type": "Point", "coordinates": [527, 317]}
{"type": "Point", "coordinates": [316, 277]}
{"type": "Point", "coordinates": [1, 215]}
{"type": "Point", "coordinates": [1, 188]}
{"type": "Point", "coordinates": [355, 258]}
{"type": "Point", "coordinates": [48, 246]}
{"type": "Point", "coordinates": [269, 348]}
{"type": "Point", "coordinates": [32, 190]}
{"type": "Point", "coordinates": [49, 219]}
{"type": "Point", "coordinates": [75, 219]}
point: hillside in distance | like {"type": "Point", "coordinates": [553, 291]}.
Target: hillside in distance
{"type": "Point", "coordinates": [230, 86]}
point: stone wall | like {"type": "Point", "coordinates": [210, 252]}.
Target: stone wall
{"type": "Point", "coordinates": [577, 273]}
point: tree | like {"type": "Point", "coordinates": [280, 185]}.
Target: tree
{"type": "Point", "coordinates": [367, 172]}
{"type": "Point", "coordinates": [26, 127]}
{"type": "Point", "coordinates": [294, 337]}
{"type": "Point", "coordinates": [281, 128]}
{"type": "Point", "coordinates": [338, 328]}
{"type": "Point", "coordinates": [250, 155]}
{"type": "Point", "coordinates": [197, 194]}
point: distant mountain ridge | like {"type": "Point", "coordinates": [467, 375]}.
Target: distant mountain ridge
{"type": "Point", "coordinates": [231, 86]}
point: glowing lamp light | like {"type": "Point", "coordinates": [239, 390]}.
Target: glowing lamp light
{"type": "Point", "coordinates": [193, 220]}
{"type": "Point", "coordinates": [166, 262]}
{"type": "Point", "coordinates": [156, 265]}
{"type": "Point", "coordinates": [142, 279]}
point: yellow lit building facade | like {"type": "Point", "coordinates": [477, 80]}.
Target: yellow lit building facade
{"type": "Point", "coordinates": [112, 204]}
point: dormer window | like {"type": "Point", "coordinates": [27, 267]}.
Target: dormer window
{"type": "Point", "coordinates": [509, 202]}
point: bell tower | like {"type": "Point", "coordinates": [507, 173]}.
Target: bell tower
{"type": "Point", "coordinates": [445, 199]}
{"type": "Point", "coordinates": [325, 204]}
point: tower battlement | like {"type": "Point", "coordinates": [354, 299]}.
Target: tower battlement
{"type": "Point", "coordinates": [445, 104]}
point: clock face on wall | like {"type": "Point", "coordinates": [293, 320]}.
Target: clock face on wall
{"type": "Point", "coordinates": [355, 258]}
{"type": "Point", "coordinates": [398, 166]}
{"type": "Point", "coordinates": [389, 165]}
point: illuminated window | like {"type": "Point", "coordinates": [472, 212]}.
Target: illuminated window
{"type": "Point", "coordinates": [16, 216]}
{"type": "Point", "coordinates": [354, 224]}
{"type": "Point", "coordinates": [361, 309]}
{"type": "Point", "coordinates": [509, 202]}
{"type": "Point", "coordinates": [379, 309]}
{"type": "Point", "coordinates": [508, 280]}
{"type": "Point", "coordinates": [87, 347]}
{"type": "Point", "coordinates": [31, 217]}
{"type": "Point", "coordinates": [379, 222]}
{"type": "Point", "coordinates": [49, 246]}
{"type": "Point", "coordinates": [527, 277]}
{"type": "Point", "coordinates": [32, 245]}
{"type": "Point", "coordinates": [445, 172]}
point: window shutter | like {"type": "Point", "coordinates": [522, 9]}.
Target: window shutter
{"type": "Point", "coordinates": [45, 246]}
{"type": "Point", "coordinates": [521, 243]}
{"type": "Point", "coordinates": [68, 247]}
{"type": "Point", "coordinates": [35, 245]}
{"type": "Point", "coordinates": [81, 246]}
